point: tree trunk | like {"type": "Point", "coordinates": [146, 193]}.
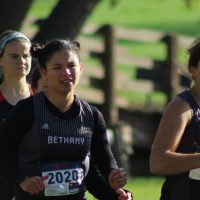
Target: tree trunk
{"type": "Point", "coordinates": [12, 13]}
{"type": "Point", "coordinates": [66, 19]}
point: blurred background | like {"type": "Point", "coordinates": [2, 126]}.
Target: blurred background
{"type": "Point", "coordinates": [134, 54]}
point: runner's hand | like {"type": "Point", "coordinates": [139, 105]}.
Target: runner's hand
{"type": "Point", "coordinates": [123, 195]}
{"type": "Point", "coordinates": [117, 178]}
{"type": "Point", "coordinates": [33, 185]}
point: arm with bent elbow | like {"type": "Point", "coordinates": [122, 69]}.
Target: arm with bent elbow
{"type": "Point", "coordinates": [164, 160]}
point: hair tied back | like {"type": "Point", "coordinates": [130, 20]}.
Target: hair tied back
{"type": "Point", "coordinates": [77, 44]}
{"type": "Point", "coordinates": [36, 50]}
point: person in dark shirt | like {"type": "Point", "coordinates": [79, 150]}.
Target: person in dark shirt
{"type": "Point", "coordinates": [95, 183]}
{"type": "Point", "coordinates": [15, 64]}
{"type": "Point", "coordinates": [175, 150]}
{"type": "Point", "coordinates": [58, 133]}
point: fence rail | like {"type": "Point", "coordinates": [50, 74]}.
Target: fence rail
{"type": "Point", "coordinates": [103, 44]}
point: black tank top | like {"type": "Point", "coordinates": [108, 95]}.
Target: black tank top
{"type": "Point", "coordinates": [56, 140]}
{"type": "Point", "coordinates": [191, 135]}
{"type": "Point", "coordinates": [180, 186]}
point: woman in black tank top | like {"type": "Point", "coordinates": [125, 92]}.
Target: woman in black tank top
{"type": "Point", "coordinates": [175, 150]}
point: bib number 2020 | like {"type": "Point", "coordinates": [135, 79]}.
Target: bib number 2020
{"type": "Point", "coordinates": [64, 176]}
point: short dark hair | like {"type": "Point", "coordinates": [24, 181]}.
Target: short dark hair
{"type": "Point", "coordinates": [194, 54]}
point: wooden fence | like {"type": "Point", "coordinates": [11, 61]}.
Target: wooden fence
{"type": "Point", "coordinates": [100, 84]}
{"type": "Point", "coordinates": [102, 80]}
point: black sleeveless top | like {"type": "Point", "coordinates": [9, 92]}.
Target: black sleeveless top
{"type": "Point", "coordinates": [180, 186]}
{"type": "Point", "coordinates": [191, 135]}
{"type": "Point", "coordinates": [53, 139]}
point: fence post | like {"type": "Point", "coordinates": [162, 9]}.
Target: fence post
{"type": "Point", "coordinates": [171, 76]}
{"type": "Point", "coordinates": [108, 60]}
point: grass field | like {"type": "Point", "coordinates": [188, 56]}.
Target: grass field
{"type": "Point", "coordinates": [164, 15]}
{"type": "Point", "coordinates": [143, 188]}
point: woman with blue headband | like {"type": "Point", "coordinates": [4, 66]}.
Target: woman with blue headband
{"type": "Point", "coordinates": [15, 64]}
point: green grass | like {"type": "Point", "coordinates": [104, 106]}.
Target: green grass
{"type": "Point", "coordinates": [146, 188]}
{"type": "Point", "coordinates": [143, 188]}
{"type": "Point", "coordinates": [152, 50]}
{"type": "Point", "coordinates": [164, 15]}
{"type": "Point", "coordinates": [41, 9]}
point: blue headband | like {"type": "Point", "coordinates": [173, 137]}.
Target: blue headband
{"type": "Point", "coordinates": [12, 36]}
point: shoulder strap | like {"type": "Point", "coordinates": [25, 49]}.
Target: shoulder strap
{"type": "Point", "coordinates": [187, 96]}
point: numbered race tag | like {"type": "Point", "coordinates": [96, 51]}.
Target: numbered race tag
{"type": "Point", "coordinates": [64, 178]}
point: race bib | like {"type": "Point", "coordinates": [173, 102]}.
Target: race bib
{"type": "Point", "coordinates": [64, 178]}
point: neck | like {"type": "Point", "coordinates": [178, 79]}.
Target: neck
{"type": "Point", "coordinates": [62, 101]}
{"type": "Point", "coordinates": [15, 90]}
{"type": "Point", "coordinates": [15, 86]}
